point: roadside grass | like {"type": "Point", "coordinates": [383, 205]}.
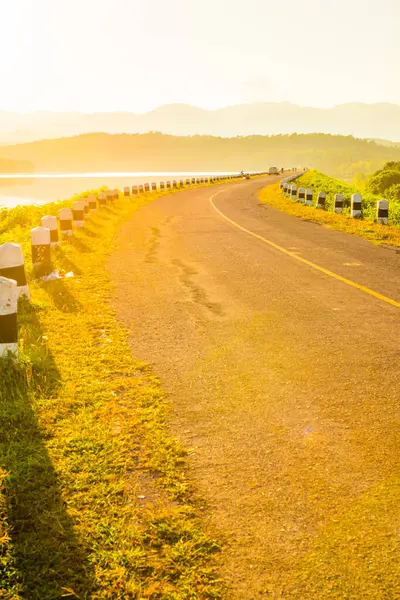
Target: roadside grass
{"type": "Point", "coordinates": [319, 182]}
{"type": "Point", "coordinates": [94, 502]}
{"type": "Point", "coordinates": [365, 228]}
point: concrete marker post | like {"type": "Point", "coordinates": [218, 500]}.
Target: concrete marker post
{"type": "Point", "coordinates": [141, 188]}
{"type": "Point", "coordinates": [65, 217]}
{"type": "Point", "coordinates": [321, 199]}
{"type": "Point", "coordinates": [181, 184]}
{"type": "Point", "coordinates": [127, 192]}
{"type": "Point", "coordinates": [78, 213]}
{"type": "Point", "coordinates": [301, 195]}
{"type": "Point", "coordinates": [8, 317]}
{"type": "Point", "coordinates": [51, 224]}
{"type": "Point", "coordinates": [92, 203]}
{"type": "Point", "coordinates": [309, 197]}
{"type": "Point", "coordinates": [168, 185]}
{"type": "Point", "coordinates": [85, 205]}
{"type": "Point", "coordinates": [187, 182]}
{"type": "Point", "coordinates": [12, 266]}
{"type": "Point", "coordinates": [110, 196]}
{"type": "Point", "coordinates": [356, 208]}
{"type": "Point", "coordinates": [162, 186]}
{"type": "Point", "coordinates": [293, 193]}
{"type": "Point", "coordinates": [41, 254]}
{"type": "Point", "coordinates": [174, 184]}
{"type": "Point", "coordinates": [193, 180]}
{"type": "Point", "coordinates": [146, 187]}
{"type": "Point", "coordinates": [382, 212]}
{"type": "Point", "coordinates": [154, 186]}
{"type": "Point", "coordinates": [135, 190]}
{"type": "Point", "coordinates": [338, 203]}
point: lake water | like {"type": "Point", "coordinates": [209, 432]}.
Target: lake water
{"type": "Point", "coordinates": [23, 189]}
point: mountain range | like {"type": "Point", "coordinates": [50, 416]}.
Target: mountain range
{"type": "Point", "coordinates": [380, 121]}
{"type": "Point", "coordinates": [98, 152]}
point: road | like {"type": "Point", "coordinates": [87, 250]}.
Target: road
{"type": "Point", "coordinates": [283, 379]}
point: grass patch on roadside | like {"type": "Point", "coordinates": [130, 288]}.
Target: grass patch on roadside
{"type": "Point", "coordinates": [365, 228]}
{"type": "Point", "coordinates": [94, 502]}
{"type": "Point", "coordinates": [319, 182]}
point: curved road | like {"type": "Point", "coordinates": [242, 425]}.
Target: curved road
{"type": "Point", "coordinates": [283, 378]}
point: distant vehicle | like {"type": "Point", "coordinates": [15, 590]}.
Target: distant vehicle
{"type": "Point", "coordinates": [273, 171]}
{"type": "Point", "coordinates": [247, 176]}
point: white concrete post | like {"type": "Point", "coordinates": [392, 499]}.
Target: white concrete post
{"type": "Point", "coordinates": [135, 190]}
{"type": "Point", "coordinates": [127, 192]}
{"type": "Point", "coordinates": [78, 214]}
{"type": "Point", "coordinates": [162, 186]}
{"type": "Point", "coordinates": [8, 317]}
{"type": "Point", "coordinates": [382, 212]}
{"type": "Point", "coordinates": [309, 196]}
{"type": "Point", "coordinates": [187, 182]}
{"type": "Point", "coordinates": [12, 266]}
{"type": "Point", "coordinates": [102, 198]}
{"type": "Point", "coordinates": [154, 186]}
{"type": "Point", "coordinates": [181, 183]}
{"type": "Point", "coordinates": [168, 185]}
{"type": "Point", "coordinates": [301, 195]}
{"type": "Point", "coordinates": [65, 218]}
{"type": "Point", "coordinates": [110, 196]}
{"type": "Point", "coordinates": [85, 205]}
{"type": "Point", "coordinates": [92, 203]}
{"type": "Point", "coordinates": [338, 203]}
{"type": "Point", "coordinates": [193, 180]}
{"type": "Point", "coordinates": [294, 192]}
{"type": "Point", "coordinates": [356, 200]}
{"type": "Point", "coordinates": [321, 198]}
{"type": "Point", "coordinates": [41, 255]}
{"type": "Point", "coordinates": [174, 184]}
{"type": "Point", "coordinates": [141, 188]}
{"type": "Point", "coordinates": [146, 187]}
{"type": "Point", "coordinates": [51, 224]}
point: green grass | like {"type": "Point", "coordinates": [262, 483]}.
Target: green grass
{"type": "Point", "coordinates": [94, 500]}
{"type": "Point", "coordinates": [365, 228]}
{"type": "Point", "coordinates": [319, 182]}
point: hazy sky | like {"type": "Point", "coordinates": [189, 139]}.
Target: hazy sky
{"type": "Point", "coordinates": [104, 55]}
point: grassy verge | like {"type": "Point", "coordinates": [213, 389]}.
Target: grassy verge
{"type": "Point", "coordinates": [93, 497]}
{"type": "Point", "coordinates": [319, 182]}
{"type": "Point", "coordinates": [365, 228]}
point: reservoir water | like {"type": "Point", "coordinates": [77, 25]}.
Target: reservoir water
{"type": "Point", "coordinates": [22, 189]}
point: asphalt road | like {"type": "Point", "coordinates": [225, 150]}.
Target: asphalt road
{"type": "Point", "coordinates": [283, 379]}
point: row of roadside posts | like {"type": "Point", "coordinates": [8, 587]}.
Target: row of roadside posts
{"type": "Point", "coordinates": [13, 281]}
{"type": "Point", "coordinates": [305, 196]}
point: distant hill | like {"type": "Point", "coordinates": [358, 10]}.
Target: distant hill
{"type": "Point", "coordinates": [337, 155]}
{"type": "Point", "coordinates": [15, 166]}
{"type": "Point", "coordinates": [360, 120]}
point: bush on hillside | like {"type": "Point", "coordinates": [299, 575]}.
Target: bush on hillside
{"type": "Point", "coordinates": [393, 192]}
{"type": "Point", "coordinates": [382, 180]}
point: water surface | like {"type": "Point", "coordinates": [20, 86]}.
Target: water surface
{"type": "Point", "coordinates": [23, 189]}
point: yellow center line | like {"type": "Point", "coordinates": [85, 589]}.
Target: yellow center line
{"type": "Point", "coordinates": [303, 260]}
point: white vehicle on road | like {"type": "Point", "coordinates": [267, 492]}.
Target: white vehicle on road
{"type": "Point", "coordinates": [273, 171]}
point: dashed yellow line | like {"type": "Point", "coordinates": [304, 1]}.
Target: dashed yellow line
{"type": "Point", "coordinates": [295, 256]}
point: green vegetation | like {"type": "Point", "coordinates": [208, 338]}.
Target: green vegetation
{"type": "Point", "coordinates": [319, 182]}
{"type": "Point", "coordinates": [365, 228]}
{"type": "Point", "coordinates": [386, 181]}
{"type": "Point", "coordinates": [341, 156]}
{"type": "Point", "coordinates": [94, 502]}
